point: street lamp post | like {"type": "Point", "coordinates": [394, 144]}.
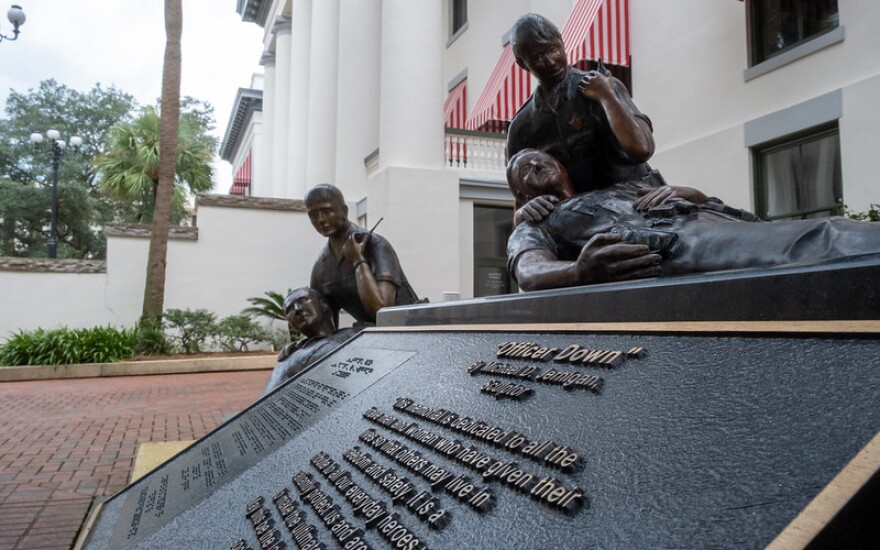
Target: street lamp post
{"type": "Point", "coordinates": [58, 146]}
{"type": "Point", "coordinates": [17, 18]}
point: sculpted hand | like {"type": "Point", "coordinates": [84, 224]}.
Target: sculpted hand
{"type": "Point", "coordinates": [536, 209]}
{"type": "Point", "coordinates": [595, 86]}
{"type": "Point", "coordinates": [354, 247]}
{"type": "Point", "coordinates": [662, 195]}
{"type": "Point", "coordinates": [604, 259]}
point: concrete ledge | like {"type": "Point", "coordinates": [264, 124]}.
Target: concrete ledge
{"type": "Point", "coordinates": [138, 368]}
{"type": "Point", "coordinates": [255, 203]}
{"type": "Point", "coordinates": [144, 231]}
{"type": "Point", "coordinates": [52, 265]}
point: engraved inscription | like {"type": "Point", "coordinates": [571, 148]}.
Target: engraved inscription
{"type": "Point", "coordinates": [507, 390]}
{"type": "Point", "coordinates": [567, 379]}
{"type": "Point", "coordinates": [574, 353]}
{"type": "Point", "coordinates": [436, 476]}
{"type": "Point", "coordinates": [548, 452]}
{"type": "Point", "coordinates": [423, 505]}
{"type": "Point", "coordinates": [492, 469]}
{"type": "Point", "coordinates": [264, 525]}
{"type": "Point", "coordinates": [374, 511]}
{"type": "Point", "coordinates": [295, 520]}
{"type": "Point", "coordinates": [572, 380]}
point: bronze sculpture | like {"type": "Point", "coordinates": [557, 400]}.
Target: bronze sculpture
{"type": "Point", "coordinates": [588, 122]}
{"type": "Point", "coordinates": [657, 230]}
{"type": "Point", "coordinates": [308, 313]}
{"type": "Point", "coordinates": [357, 271]}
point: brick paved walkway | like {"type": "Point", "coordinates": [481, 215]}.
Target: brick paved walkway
{"type": "Point", "coordinates": [65, 442]}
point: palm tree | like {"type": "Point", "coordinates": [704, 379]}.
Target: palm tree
{"type": "Point", "coordinates": [129, 169]}
{"type": "Point", "coordinates": [154, 289]}
{"type": "Point", "coordinates": [270, 307]}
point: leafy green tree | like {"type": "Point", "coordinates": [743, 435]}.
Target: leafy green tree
{"type": "Point", "coordinates": [129, 169]}
{"type": "Point", "coordinates": [26, 173]}
{"type": "Point", "coordinates": [89, 115]}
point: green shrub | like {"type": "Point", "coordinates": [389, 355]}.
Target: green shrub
{"type": "Point", "coordinates": [150, 338]}
{"type": "Point", "coordinates": [192, 328]}
{"type": "Point", "coordinates": [66, 346]}
{"type": "Point", "coordinates": [235, 332]}
{"type": "Point", "coordinates": [280, 337]}
{"type": "Point", "coordinates": [872, 215]}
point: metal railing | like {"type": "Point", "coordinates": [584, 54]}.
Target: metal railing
{"type": "Point", "coordinates": [465, 149]}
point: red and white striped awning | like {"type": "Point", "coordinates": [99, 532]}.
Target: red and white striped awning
{"type": "Point", "coordinates": [507, 89]}
{"type": "Point", "coordinates": [598, 28]}
{"type": "Point", "coordinates": [455, 108]}
{"type": "Point", "coordinates": [242, 180]}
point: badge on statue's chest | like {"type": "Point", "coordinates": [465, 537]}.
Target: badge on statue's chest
{"type": "Point", "coordinates": [576, 123]}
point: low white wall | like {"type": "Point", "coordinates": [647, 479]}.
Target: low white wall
{"type": "Point", "coordinates": [241, 251]}
{"type": "Point", "coordinates": [29, 300]}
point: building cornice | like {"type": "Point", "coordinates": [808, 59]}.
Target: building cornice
{"type": "Point", "coordinates": [254, 11]}
{"type": "Point", "coordinates": [247, 101]}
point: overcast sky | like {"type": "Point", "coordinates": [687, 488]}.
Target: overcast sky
{"type": "Point", "coordinates": [122, 42]}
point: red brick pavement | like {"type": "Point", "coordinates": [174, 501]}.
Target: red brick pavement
{"type": "Point", "coordinates": [65, 442]}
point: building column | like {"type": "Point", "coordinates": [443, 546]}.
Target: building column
{"type": "Point", "coordinates": [298, 106]}
{"type": "Point", "coordinates": [281, 28]}
{"type": "Point", "coordinates": [357, 120]}
{"type": "Point", "coordinates": [411, 104]}
{"type": "Point", "coordinates": [264, 186]}
{"type": "Point", "coordinates": [257, 149]}
{"type": "Point", "coordinates": [323, 93]}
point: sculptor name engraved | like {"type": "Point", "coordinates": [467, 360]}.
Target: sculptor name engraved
{"type": "Point", "coordinates": [568, 380]}
{"type": "Point", "coordinates": [574, 354]}
{"type": "Point", "coordinates": [508, 390]}
{"type": "Point", "coordinates": [546, 490]}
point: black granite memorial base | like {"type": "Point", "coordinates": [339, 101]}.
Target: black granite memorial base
{"type": "Point", "coordinates": [841, 290]}
{"type": "Point", "coordinates": [406, 438]}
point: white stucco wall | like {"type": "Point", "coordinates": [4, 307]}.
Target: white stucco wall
{"type": "Point", "coordinates": [53, 300]}
{"type": "Point", "coordinates": [240, 253]}
{"type": "Point", "coordinates": [694, 90]}
{"type": "Point", "coordinates": [859, 143]}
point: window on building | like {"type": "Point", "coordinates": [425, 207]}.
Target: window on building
{"type": "Point", "coordinates": [459, 15]}
{"type": "Point", "coordinates": [800, 177]}
{"type": "Point", "coordinates": [492, 226]}
{"type": "Point", "coordinates": [778, 25]}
